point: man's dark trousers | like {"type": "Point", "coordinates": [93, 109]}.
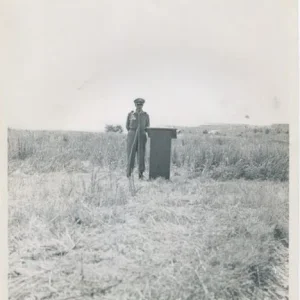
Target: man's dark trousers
{"type": "Point", "coordinates": [135, 137]}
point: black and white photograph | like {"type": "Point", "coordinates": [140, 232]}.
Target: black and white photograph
{"type": "Point", "coordinates": [149, 149]}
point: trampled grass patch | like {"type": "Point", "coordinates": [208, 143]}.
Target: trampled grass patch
{"type": "Point", "coordinates": [199, 239]}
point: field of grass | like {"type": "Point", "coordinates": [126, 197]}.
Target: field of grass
{"type": "Point", "coordinates": [217, 230]}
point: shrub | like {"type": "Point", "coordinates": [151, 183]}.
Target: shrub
{"type": "Point", "coordinates": [113, 128]}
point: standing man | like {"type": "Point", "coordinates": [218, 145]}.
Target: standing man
{"type": "Point", "coordinates": [136, 124]}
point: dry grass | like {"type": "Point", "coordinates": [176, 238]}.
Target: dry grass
{"type": "Point", "coordinates": [233, 155]}
{"type": "Point", "coordinates": [75, 232]}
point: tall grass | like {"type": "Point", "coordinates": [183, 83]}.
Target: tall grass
{"type": "Point", "coordinates": [252, 156]}
{"type": "Point", "coordinates": [233, 157]}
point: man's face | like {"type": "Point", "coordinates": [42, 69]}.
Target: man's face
{"type": "Point", "coordinates": [139, 106]}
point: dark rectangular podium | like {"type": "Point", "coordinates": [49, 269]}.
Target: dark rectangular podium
{"type": "Point", "coordinates": [160, 151]}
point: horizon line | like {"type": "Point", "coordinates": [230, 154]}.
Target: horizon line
{"type": "Point", "coordinates": [165, 126]}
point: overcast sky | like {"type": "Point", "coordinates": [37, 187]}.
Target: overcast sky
{"type": "Point", "coordinates": [79, 64]}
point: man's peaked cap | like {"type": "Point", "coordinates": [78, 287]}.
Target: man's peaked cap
{"type": "Point", "coordinates": [139, 101]}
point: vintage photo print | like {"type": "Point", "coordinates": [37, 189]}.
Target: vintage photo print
{"type": "Point", "coordinates": [150, 150]}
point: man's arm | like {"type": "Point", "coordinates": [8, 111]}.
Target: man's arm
{"type": "Point", "coordinates": [147, 124]}
{"type": "Point", "coordinates": [127, 122]}
{"type": "Point", "coordinates": [148, 121]}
